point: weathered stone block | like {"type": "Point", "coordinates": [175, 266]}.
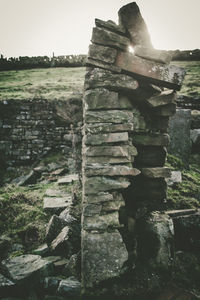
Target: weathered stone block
{"type": "Point", "coordinates": [108, 127]}
{"type": "Point", "coordinates": [101, 222]}
{"type": "Point", "coordinates": [108, 38]}
{"type": "Point", "coordinates": [98, 78]}
{"type": "Point", "coordinates": [179, 131]}
{"type": "Point", "coordinates": [131, 19]}
{"type": "Point", "coordinates": [90, 62]}
{"type": "Point", "coordinates": [98, 139]}
{"type": "Point", "coordinates": [162, 56]}
{"type": "Point", "coordinates": [195, 136]}
{"type": "Point", "coordinates": [163, 98]}
{"type": "Point", "coordinates": [109, 116]}
{"type": "Point", "coordinates": [105, 54]}
{"type": "Point", "coordinates": [54, 227]}
{"type": "Point", "coordinates": [98, 198]}
{"type": "Point", "coordinates": [151, 140]}
{"type": "Point", "coordinates": [156, 172]}
{"type": "Point", "coordinates": [114, 151]}
{"type": "Point", "coordinates": [156, 239]}
{"type": "Point", "coordinates": [163, 75]}
{"type": "Point", "coordinates": [110, 170]}
{"type": "Point", "coordinates": [110, 25]}
{"type": "Point", "coordinates": [109, 159]}
{"type": "Point", "coordinates": [100, 184]}
{"type": "Point", "coordinates": [69, 287]}
{"type": "Point", "coordinates": [56, 205]}
{"type": "Point", "coordinates": [103, 256]}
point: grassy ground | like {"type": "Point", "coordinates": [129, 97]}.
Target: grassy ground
{"type": "Point", "coordinates": [55, 83]}
{"type": "Point", "coordinates": [191, 84]}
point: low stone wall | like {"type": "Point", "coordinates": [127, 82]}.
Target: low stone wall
{"type": "Point", "coordinates": [31, 128]}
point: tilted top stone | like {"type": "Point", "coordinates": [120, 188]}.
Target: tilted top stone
{"type": "Point", "coordinates": [131, 19]}
{"type": "Point", "coordinates": [110, 25]}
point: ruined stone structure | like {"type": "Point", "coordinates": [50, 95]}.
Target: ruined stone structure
{"type": "Point", "coordinates": [31, 128]}
{"type": "Point", "coordinates": [129, 97]}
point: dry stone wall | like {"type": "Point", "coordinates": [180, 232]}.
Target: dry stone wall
{"type": "Point", "coordinates": [124, 142]}
{"type": "Point", "coordinates": [31, 128]}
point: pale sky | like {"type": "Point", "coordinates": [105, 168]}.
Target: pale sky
{"type": "Point", "coordinates": [41, 27]}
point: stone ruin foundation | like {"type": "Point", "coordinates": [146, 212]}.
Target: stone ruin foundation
{"type": "Point", "coordinates": [130, 93]}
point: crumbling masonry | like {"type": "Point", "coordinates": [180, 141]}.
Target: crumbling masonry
{"type": "Point", "coordinates": [129, 97]}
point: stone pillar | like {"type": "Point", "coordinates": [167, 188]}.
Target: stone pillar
{"type": "Point", "coordinates": [124, 139]}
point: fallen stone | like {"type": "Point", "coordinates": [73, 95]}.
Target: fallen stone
{"type": "Point", "coordinates": [58, 172]}
{"type": "Point", "coordinates": [68, 179]}
{"type": "Point", "coordinates": [151, 140]}
{"type": "Point", "coordinates": [176, 177]}
{"type": "Point", "coordinates": [69, 287]}
{"type": "Point", "coordinates": [156, 172]}
{"type": "Point", "coordinates": [62, 243]}
{"type": "Point", "coordinates": [5, 245]}
{"type": "Point", "coordinates": [109, 116]}
{"type": "Point", "coordinates": [105, 54]}
{"type": "Point", "coordinates": [180, 212]}
{"type": "Point", "coordinates": [42, 250]}
{"type": "Point", "coordinates": [27, 269]}
{"type": "Point", "coordinates": [168, 76]}
{"type": "Point", "coordinates": [131, 19]}
{"type": "Point", "coordinates": [73, 266]}
{"type": "Point", "coordinates": [67, 217]}
{"type": "Point", "coordinates": [27, 179]}
{"type": "Point", "coordinates": [56, 205]}
{"type": "Point", "coordinates": [53, 258]}
{"type": "Point", "coordinates": [98, 78]}
{"type": "Point", "coordinates": [55, 193]}
{"type": "Point", "coordinates": [54, 227]}
{"type": "Point", "coordinates": [163, 98]}
{"type": "Point", "coordinates": [162, 56]}
{"type": "Point", "coordinates": [110, 25]}
{"type": "Point", "coordinates": [101, 184]}
{"type": "Point", "coordinates": [110, 170]}
{"type": "Point", "coordinates": [108, 127]}
{"type": "Point", "coordinates": [108, 38]}
{"type": "Point", "coordinates": [156, 239]}
{"type": "Point", "coordinates": [195, 136]}
{"type": "Point", "coordinates": [101, 222]}
{"type": "Point", "coordinates": [103, 256]}
{"type": "Point", "coordinates": [6, 285]}
{"type": "Point", "coordinates": [98, 139]}
{"type": "Point", "coordinates": [116, 151]}
{"type": "Point", "coordinates": [186, 228]}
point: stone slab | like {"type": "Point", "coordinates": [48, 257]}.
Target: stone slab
{"type": "Point", "coordinates": [114, 151]}
{"type": "Point", "coordinates": [131, 19]}
{"type": "Point", "coordinates": [101, 222]}
{"type": "Point", "coordinates": [106, 138]}
{"type": "Point", "coordinates": [68, 179]}
{"type": "Point", "coordinates": [168, 76]}
{"type": "Point", "coordinates": [156, 172]}
{"type": "Point", "coordinates": [110, 25]}
{"type": "Point", "coordinates": [110, 170]}
{"type": "Point", "coordinates": [180, 212]}
{"type": "Point", "coordinates": [163, 98]}
{"type": "Point", "coordinates": [105, 37]}
{"type": "Point", "coordinates": [109, 116]}
{"type": "Point", "coordinates": [98, 78]}
{"type": "Point", "coordinates": [91, 62]}
{"type": "Point", "coordinates": [108, 127]}
{"type": "Point", "coordinates": [102, 184]}
{"type": "Point", "coordinates": [55, 205]}
{"type": "Point", "coordinates": [109, 159]}
{"type": "Point", "coordinates": [102, 53]}
{"type": "Point", "coordinates": [98, 198]}
{"type": "Point", "coordinates": [103, 256]}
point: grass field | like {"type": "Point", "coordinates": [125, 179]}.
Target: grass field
{"type": "Point", "coordinates": [59, 83]}
{"type": "Point", "coordinates": [54, 83]}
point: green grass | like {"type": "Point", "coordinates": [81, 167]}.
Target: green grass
{"type": "Point", "coordinates": [191, 84]}
{"type": "Point", "coordinates": [53, 83]}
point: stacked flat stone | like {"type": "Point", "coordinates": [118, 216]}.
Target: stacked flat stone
{"type": "Point", "coordinates": [124, 135]}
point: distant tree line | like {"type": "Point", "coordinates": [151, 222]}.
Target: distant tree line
{"type": "Point", "coordinates": [26, 62]}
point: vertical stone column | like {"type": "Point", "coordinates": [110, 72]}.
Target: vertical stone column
{"type": "Point", "coordinates": [124, 115]}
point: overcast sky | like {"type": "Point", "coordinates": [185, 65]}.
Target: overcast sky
{"type": "Point", "coordinates": [41, 27]}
